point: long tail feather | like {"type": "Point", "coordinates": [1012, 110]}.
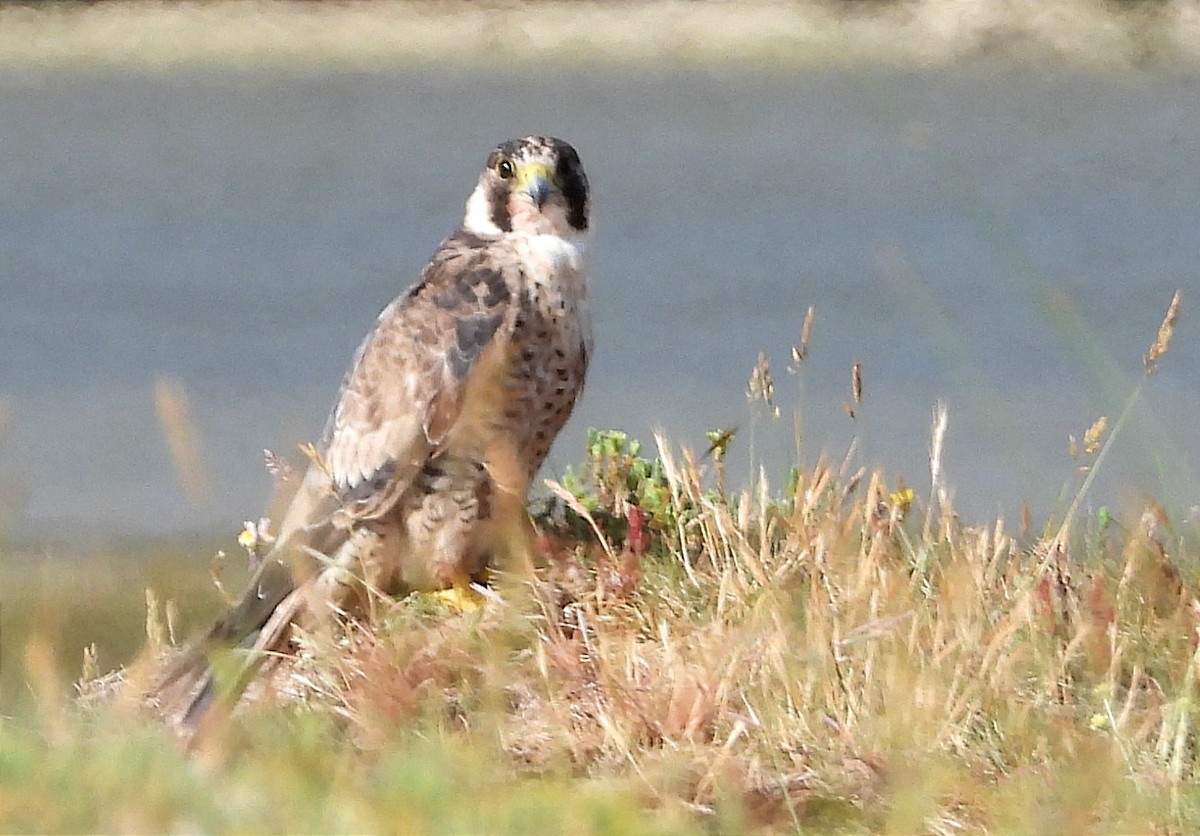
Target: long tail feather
{"type": "Point", "coordinates": [288, 590]}
{"type": "Point", "coordinates": [190, 678]}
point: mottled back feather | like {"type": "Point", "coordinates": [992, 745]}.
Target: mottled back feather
{"type": "Point", "coordinates": [405, 387]}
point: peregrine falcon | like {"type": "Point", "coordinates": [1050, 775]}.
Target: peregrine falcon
{"type": "Point", "coordinates": [448, 410]}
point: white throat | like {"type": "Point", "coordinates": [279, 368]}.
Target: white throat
{"type": "Point", "coordinates": [555, 259]}
{"type": "Point", "coordinates": [478, 219]}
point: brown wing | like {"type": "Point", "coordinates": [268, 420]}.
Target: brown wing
{"type": "Point", "coordinates": [405, 388]}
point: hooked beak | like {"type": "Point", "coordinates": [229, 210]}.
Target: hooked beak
{"type": "Point", "coordinates": [536, 181]}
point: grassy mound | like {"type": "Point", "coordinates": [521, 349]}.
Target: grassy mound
{"type": "Point", "coordinates": [841, 656]}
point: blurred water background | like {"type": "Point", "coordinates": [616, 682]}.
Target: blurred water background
{"type": "Point", "coordinates": [1002, 238]}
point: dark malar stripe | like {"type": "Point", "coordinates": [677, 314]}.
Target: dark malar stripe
{"type": "Point", "coordinates": [573, 183]}
{"type": "Point", "coordinates": [498, 201]}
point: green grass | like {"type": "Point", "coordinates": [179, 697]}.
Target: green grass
{"type": "Point", "coordinates": [293, 776]}
{"type": "Point", "coordinates": [68, 597]}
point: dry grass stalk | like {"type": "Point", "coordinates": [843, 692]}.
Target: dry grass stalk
{"type": "Point", "coordinates": [174, 414]}
{"type": "Point", "coordinates": [807, 650]}
{"type": "Point", "coordinates": [800, 352]}
{"type": "Point", "coordinates": [1091, 438]}
{"type": "Point", "coordinates": [762, 386]}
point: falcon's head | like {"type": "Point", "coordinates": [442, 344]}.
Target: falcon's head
{"type": "Point", "coordinates": [534, 185]}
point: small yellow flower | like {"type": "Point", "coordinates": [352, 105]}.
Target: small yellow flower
{"type": "Point", "coordinates": [902, 499]}
{"type": "Point", "coordinates": [255, 535]}
{"type": "Point", "coordinates": [248, 539]}
{"type": "Point", "coordinates": [1099, 721]}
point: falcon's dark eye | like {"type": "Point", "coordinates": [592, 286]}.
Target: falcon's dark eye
{"type": "Point", "coordinates": [505, 169]}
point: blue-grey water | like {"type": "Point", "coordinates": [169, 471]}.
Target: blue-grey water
{"type": "Point", "coordinates": [1004, 240]}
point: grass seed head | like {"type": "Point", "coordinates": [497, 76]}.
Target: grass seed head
{"type": "Point", "coordinates": [1162, 342]}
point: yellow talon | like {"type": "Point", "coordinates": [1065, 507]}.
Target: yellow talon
{"type": "Point", "coordinates": [461, 598]}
